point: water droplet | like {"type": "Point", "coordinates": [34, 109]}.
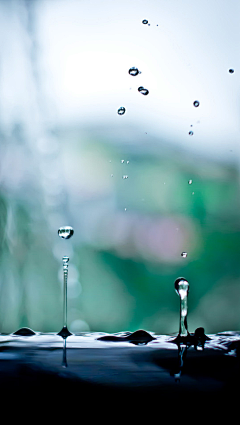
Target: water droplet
{"type": "Point", "coordinates": [149, 25]}
{"type": "Point", "coordinates": [181, 287]}
{"type": "Point", "coordinates": [133, 71]}
{"type": "Point", "coordinates": [190, 133]}
{"type": "Point", "coordinates": [111, 175]}
{"type": "Point", "coordinates": [192, 193]}
{"type": "Point", "coordinates": [65, 232]}
{"type": "Point", "coordinates": [231, 71]}
{"type": "Point", "coordinates": [127, 162]}
{"type": "Point", "coordinates": [125, 177]}
{"type": "Point", "coordinates": [196, 103]}
{"type": "Point", "coordinates": [143, 91]}
{"type": "Point", "coordinates": [110, 160]}
{"type": "Point", "coordinates": [122, 161]}
{"type": "Point", "coordinates": [189, 181]}
{"type": "Point", "coordinates": [145, 21]}
{"type": "Point", "coordinates": [184, 254]}
{"type": "Point", "coordinates": [125, 209]}
{"type": "Point", "coordinates": [121, 110]}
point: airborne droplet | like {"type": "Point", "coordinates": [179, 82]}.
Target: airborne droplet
{"type": "Point", "coordinates": [122, 161]}
{"type": "Point", "coordinates": [142, 90]}
{"type": "Point", "coordinates": [145, 21]}
{"type": "Point", "coordinates": [190, 133]}
{"type": "Point", "coordinates": [189, 181]}
{"type": "Point", "coordinates": [231, 71]}
{"type": "Point", "coordinates": [133, 71]}
{"type": "Point", "coordinates": [125, 177]}
{"type": "Point", "coordinates": [196, 103]}
{"type": "Point", "coordinates": [65, 232]}
{"type": "Point", "coordinates": [184, 254]}
{"type": "Point", "coordinates": [121, 110]}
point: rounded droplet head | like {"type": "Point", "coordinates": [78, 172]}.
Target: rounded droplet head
{"type": "Point", "coordinates": [190, 181]}
{"type": "Point", "coordinates": [196, 103]}
{"type": "Point", "coordinates": [184, 254]}
{"type": "Point", "coordinates": [133, 71]}
{"type": "Point", "coordinates": [190, 133]}
{"type": "Point", "coordinates": [181, 286]}
{"type": "Point", "coordinates": [145, 21]}
{"type": "Point", "coordinates": [65, 232]}
{"type": "Point", "coordinates": [143, 91]}
{"type": "Point", "coordinates": [231, 71]}
{"type": "Point", "coordinates": [121, 110]}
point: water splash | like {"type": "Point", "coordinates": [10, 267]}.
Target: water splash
{"type": "Point", "coordinates": [64, 331]}
{"type": "Point", "coordinates": [182, 288]}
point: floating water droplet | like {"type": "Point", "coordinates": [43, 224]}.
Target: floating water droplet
{"type": "Point", "coordinates": [189, 181]}
{"type": "Point", "coordinates": [127, 162]}
{"type": "Point", "coordinates": [133, 71]}
{"type": "Point", "coordinates": [145, 21]}
{"type": "Point", "coordinates": [190, 133]}
{"type": "Point", "coordinates": [143, 91]}
{"type": "Point", "coordinates": [196, 103]}
{"type": "Point", "coordinates": [231, 71]}
{"type": "Point", "coordinates": [149, 25]}
{"type": "Point", "coordinates": [192, 193]}
{"type": "Point", "coordinates": [110, 160]}
{"type": "Point", "coordinates": [122, 161]}
{"type": "Point", "coordinates": [121, 110]}
{"type": "Point", "coordinates": [182, 288]}
{"type": "Point", "coordinates": [65, 232]}
{"type": "Point", "coordinates": [125, 177]}
{"type": "Point", "coordinates": [184, 254]}
{"type": "Point", "coordinates": [111, 175]}
{"type": "Point", "coordinates": [125, 209]}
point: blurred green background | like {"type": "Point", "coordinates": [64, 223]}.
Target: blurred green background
{"type": "Point", "coordinates": [64, 151]}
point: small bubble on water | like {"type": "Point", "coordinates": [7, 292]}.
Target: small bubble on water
{"type": "Point", "coordinates": [65, 232]}
{"type": "Point", "coordinates": [145, 21]}
{"type": "Point", "coordinates": [196, 103]}
{"type": "Point", "coordinates": [121, 110]}
{"type": "Point", "coordinates": [190, 133]}
{"type": "Point", "coordinates": [125, 177]}
{"type": "Point", "coordinates": [133, 71]}
{"type": "Point", "coordinates": [189, 181]}
{"type": "Point", "coordinates": [143, 91]}
{"type": "Point", "coordinates": [184, 254]}
{"type": "Point", "coordinates": [122, 161]}
{"type": "Point", "coordinates": [231, 71]}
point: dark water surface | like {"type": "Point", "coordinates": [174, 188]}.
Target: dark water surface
{"type": "Point", "coordinates": [108, 370]}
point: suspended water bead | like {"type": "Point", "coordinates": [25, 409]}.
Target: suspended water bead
{"type": "Point", "coordinates": [196, 103]}
{"type": "Point", "coordinates": [145, 21]}
{"type": "Point", "coordinates": [189, 181]}
{"type": "Point", "coordinates": [125, 209]}
{"type": "Point", "coordinates": [134, 71]}
{"type": "Point", "coordinates": [143, 91]}
{"type": "Point", "coordinates": [111, 175]}
{"type": "Point", "coordinates": [231, 71]}
{"type": "Point", "coordinates": [127, 162]}
{"type": "Point", "coordinates": [122, 161]}
{"type": "Point", "coordinates": [190, 133]}
{"type": "Point", "coordinates": [121, 110]}
{"type": "Point", "coordinates": [125, 177]}
{"type": "Point", "coordinates": [65, 232]}
{"type": "Point", "coordinates": [184, 254]}
{"type": "Point", "coordinates": [182, 288]}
